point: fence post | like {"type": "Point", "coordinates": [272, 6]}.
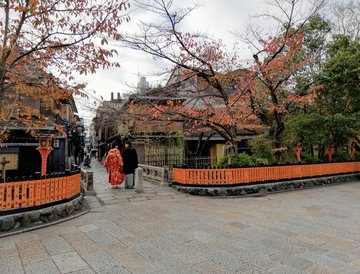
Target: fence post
{"type": "Point", "coordinates": [87, 182]}
{"type": "Point", "coordinates": [139, 180]}
{"type": "Point", "coordinates": [164, 176]}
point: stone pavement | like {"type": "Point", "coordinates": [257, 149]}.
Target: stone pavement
{"type": "Point", "coordinates": [309, 231]}
{"type": "Point", "coordinates": [108, 196]}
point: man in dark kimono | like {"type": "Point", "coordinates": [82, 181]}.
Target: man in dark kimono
{"type": "Point", "coordinates": [130, 164]}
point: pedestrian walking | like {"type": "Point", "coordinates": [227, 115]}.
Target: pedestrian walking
{"type": "Point", "coordinates": [130, 164]}
{"type": "Point", "coordinates": [87, 161]}
{"type": "Point", "coordinates": [114, 166]}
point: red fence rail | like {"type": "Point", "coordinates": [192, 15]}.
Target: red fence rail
{"type": "Point", "coordinates": [233, 176]}
{"type": "Point", "coordinates": [37, 192]}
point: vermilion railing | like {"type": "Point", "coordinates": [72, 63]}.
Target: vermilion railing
{"type": "Point", "coordinates": [37, 192]}
{"type": "Point", "coordinates": [232, 176]}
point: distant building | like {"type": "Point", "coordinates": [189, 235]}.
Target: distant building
{"type": "Point", "coordinates": [143, 86]}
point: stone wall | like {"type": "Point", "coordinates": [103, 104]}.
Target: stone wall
{"type": "Point", "coordinates": [265, 188]}
{"type": "Point", "coordinates": [39, 217]}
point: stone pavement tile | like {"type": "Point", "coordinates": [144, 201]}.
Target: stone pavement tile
{"type": "Point", "coordinates": [159, 210]}
{"type": "Point", "coordinates": [42, 267]}
{"type": "Point", "coordinates": [165, 192]}
{"type": "Point", "coordinates": [321, 260]}
{"type": "Point", "coordinates": [124, 195]}
{"type": "Point", "coordinates": [225, 259]}
{"type": "Point", "coordinates": [133, 262]}
{"type": "Point", "coordinates": [144, 194]}
{"type": "Point", "coordinates": [310, 245]}
{"type": "Point", "coordinates": [138, 199]}
{"type": "Point", "coordinates": [85, 246]}
{"type": "Point", "coordinates": [338, 242]}
{"type": "Point", "coordinates": [258, 234]}
{"type": "Point", "coordinates": [115, 248]}
{"type": "Point", "coordinates": [255, 247]}
{"type": "Point", "coordinates": [195, 246]}
{"type": "Point", "coordinates": [283, 232]}
{"type": "Point", "coordinates": [173, 265]}
{"type": "Point", "coordinates": [103, 223]}
{"type": "Point", "coordinates": [252, 270]}
{"type": "Point", "coordinates": [282, 247]}
{"type": "Point", "coordinates": [125, 223]}
{"type": "Point", "coordinates": [131, 241]}
{"type": "Point", "coordinates": [149, 251]}
{"type": "Point", "coordinates": [7, 249]}
{"type": "Point", "coordinates": [210, 267]}
{"type": "Point", "coordinates": [107, 197]}
{"type": "Point", "coordinates": [100, 237]}
{"type": "Point", "coordinates": [144, 233]}
{"type": "Point", "coordinates": [117, 232]}
{"type": "Point", "coordinates": [177, 236]}
{"type": "Point", "coordinates": [50, 231]}
{"type": "Point", "coordinates": [166, 245]}
{"type": "Point", "coordinates": [69, 262]}
{"type": "Point", "coordinates": [298, 263]}
{"type": "Point", "coordinates": [34, 258]}
{"type": "Point", "coordinates": [342, 256]}
{"type": "Point", "coordinates": [158, 197]}
{"type": "Point", "coordinates": [10, 265]}
{"type": "Point", "coordinates": [57, 245]}
{"type": "Point", "coordinates": [160, 226]}
{"type": "Point", "coordinates": [320, 270]}
{"type": "Point", "coordinates": [191, 258]}
{"type": "Point", "coordinates": [227, 228]}
{"type": "Point", "coordinates": [115, 201]}
{"type": "Point", "coordinates": [301, 230]}
{"type": "Point", "coordinates": [75, 236]}
{"type": "Point", "coordinates": [30, 247]}
{"type": "Point", "coordinates": [254, 259]}
{"type": "Point", "coordinates": [284, 269]}
{"type": "Point", "coordinates": [91, 200]}
{"type": "Point", "coordinates": [355, 265]}
{"type": "Point", "coordinates": [6, 244]}
{"type": "Point", "coordinates": [102, 262]}
{"type": "Point", "coordinates": [89, 227]}
{"type": "Point", "coordinates": [83, 271]}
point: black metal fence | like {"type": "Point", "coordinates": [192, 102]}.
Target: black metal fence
{"type": "Point", "coordinates": [171, 160]}
{"type": "Point", "coordinates": [161, 160]}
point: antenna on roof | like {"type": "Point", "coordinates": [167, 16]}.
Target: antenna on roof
{"type": "Point", "coordinates": [138, 74]}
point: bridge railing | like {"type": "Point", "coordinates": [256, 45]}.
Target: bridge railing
{"type": "Point", "coordinates": [30, 193]}
{"type": "Point", "coordinates": [234, 176]}
{"type": "Point", "coordinates": [158, 174]}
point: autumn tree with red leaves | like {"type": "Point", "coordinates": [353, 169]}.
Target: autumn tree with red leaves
{"type": "Point", "coordinates": [213, 91]}
{"type": "Point", "coordinates": [44, 42]}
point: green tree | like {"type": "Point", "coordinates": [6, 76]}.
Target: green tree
{"type": "Point", "coordinates": [341, 77]}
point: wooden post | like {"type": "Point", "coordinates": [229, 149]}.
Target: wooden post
{"type": "Point", "coordinates": [3, 163]}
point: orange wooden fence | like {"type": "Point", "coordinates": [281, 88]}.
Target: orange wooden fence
{"type": "Point", "coordinates": [38, 192]}
{"type": "Point", "coordinates": [231, 176]}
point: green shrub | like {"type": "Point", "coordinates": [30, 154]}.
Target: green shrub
{"type": "Point", "coordinates": [307, 158]}
{"type": "Point", "coordinates": [261, 147]}
{"type": "Point", "coordinates": [357, 156]}
{"type": "Point", "coordinates": [242, 160]}
{"type": "Point", "coordinates": [223, 162]}
{"type": "Point", "coordinates": [341, 157]}
{"type": "Point", "coordinates": [261, 161]}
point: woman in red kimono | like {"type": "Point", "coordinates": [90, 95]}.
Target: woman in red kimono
{"type": "Point", "coordinates": [114, 166]}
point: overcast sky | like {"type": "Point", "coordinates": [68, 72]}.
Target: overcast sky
{"type": "Point", "coordinates": [217, 18]}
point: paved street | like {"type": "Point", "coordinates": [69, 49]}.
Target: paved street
{"type": "Point", "coordinates": [162, 231]}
